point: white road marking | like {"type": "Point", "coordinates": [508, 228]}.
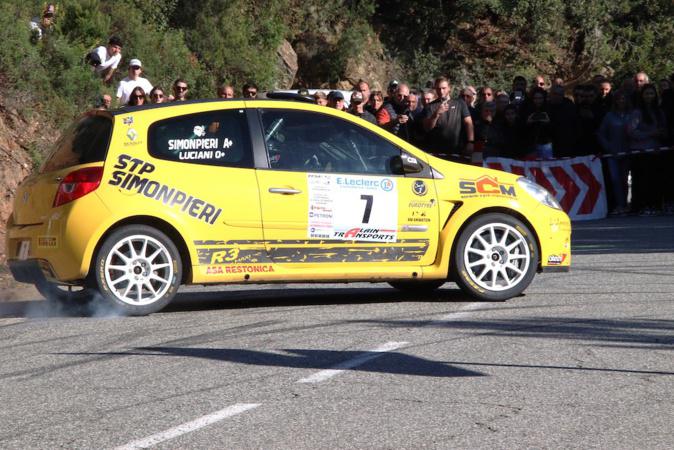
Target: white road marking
{"type": "Point", "coordinates": [464, 312]}
{"type": "Point", "coordinates": [188, 427]}
{"type": "Point", "coordinates": [350, 364]}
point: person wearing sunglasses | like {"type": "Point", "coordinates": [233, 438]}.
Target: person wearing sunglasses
{"type": "Point", "coordinates": [180, 89]}
{"type": "Point", "coordinates": [129, 83]}
{"type": "Point", "coordinates": [157, 95]}
{"type": "Point", "coordinates": [249, 91]}
{"type": "Point", "coordinates": [137, 97]}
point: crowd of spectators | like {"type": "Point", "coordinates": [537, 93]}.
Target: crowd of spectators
{"type": "Point", "coordinates": [629, 127]}
{"type": "Point", "coordinates": [529, 122]}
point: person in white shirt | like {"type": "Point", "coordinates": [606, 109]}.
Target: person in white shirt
{"type": "Point", "coordinates": [134, 79]}
{"type": "Point", "coordinates": [44, 24]}
{"type": "Point", "coordinates": [105, 59]}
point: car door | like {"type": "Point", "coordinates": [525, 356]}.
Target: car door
{"type": "Point", "coordinates": [209, 156]}
{"type": "Point", "coordinates": [330, 196]}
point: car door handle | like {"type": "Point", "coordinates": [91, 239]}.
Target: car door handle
{"type": "Point", "coordinates": [285, 191]}
{"type": "Point", "coordinates": [414, 228]}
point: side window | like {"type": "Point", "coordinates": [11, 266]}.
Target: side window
{"type": "Point", "coordinates": [314, 142]}
{"type": "Point", "coordinates": [217, 138]}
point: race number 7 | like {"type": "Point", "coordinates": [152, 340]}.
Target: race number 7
{"type": "Point", "coordinates": [368, 207]}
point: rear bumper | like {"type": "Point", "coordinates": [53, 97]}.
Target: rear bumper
{"type": "Point", "coordinates": [31, 271]}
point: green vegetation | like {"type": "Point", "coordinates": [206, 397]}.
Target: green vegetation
{"type": "Point", "coordinates": [211, 41]}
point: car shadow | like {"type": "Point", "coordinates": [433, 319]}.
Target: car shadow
{"type": "Point", "coordinates": [396, 363]}
{"type": "Point", "coordinates": [300, 296]}
{"type": "Point", "coordinates": [250, 297]}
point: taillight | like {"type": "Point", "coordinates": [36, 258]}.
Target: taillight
{"type": "Point", "coordinates": [78, 184]}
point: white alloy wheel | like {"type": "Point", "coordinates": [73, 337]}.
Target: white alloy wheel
{"type": "Point", "coordinates": [496, 257]}
{"type": "Point", "coordinates": [138, 270]}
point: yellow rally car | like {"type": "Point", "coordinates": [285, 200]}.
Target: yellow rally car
{"type": "Point", "coordinates": [133, 203]}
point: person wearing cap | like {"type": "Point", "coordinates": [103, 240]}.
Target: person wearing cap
{"type": "Point", "coordinates": [105, 58]}
{"type": "Point", "coordinates": [320, 98]}
{"type": "Point", "coordinates": [128, 84]}
{"type": "Point", "coordinates": [336, 100]}
{"type": "Point", "coordinates": [39, 26]}
{"type": "Point", "coordinates": [357, 108]}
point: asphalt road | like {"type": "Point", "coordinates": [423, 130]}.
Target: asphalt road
{"type": "Point", "coordinates": [583, 360]}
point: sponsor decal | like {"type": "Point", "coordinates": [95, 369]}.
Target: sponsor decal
{"type": "Point", "coordinates": [47, 242]}
{"type": "Point", "coordinates": [486, 186]}
{"type": "Point", "coordinates": [225, 256]}
{"type": "Point", "coordinates": [419, 217]}
{"type": "Point", "coordinates": [253, 268]}
{"type": "Point", "coordinates": [132, 134]}
{"type": "Point", "coordinates": [555, 260]}
{"type": "Point", "coordinates": [419, 188]}
{"type": "Point", "coordinates": [421, 204]}
{"type": "Point", "coordinates": [387, 185]}
{"type": "Point", "coordinates": [129, 176]}
{"type": "Point", "coordinates": [339, 204]}
{"type": "Point", "coordinates": [214, 253]}
{"type": "Point", "coordinates": [127, 120]}
{"type": "Point", "coordinates": [366, 234]}
{"type": "Point", "coordinates": [357, 182]}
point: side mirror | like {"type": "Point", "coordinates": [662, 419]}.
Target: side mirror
{"type": "Point", "coordinates": [404, 164]}
{"type": "Point", "coordinates": [397, 166]}
{"type": "Point", "coordinates": [411, 164]}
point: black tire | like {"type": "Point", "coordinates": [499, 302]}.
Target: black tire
{"type": "Point", "coordinates": [146, 279]}
{"type": "Point", "coordinates": [65, 295]}
{"type": "Point", "coordinates": [421, 287]}
{"type": "Point", "coordinates": [510, 266]}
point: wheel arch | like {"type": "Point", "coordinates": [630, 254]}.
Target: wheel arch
{"type": "Point", "coordinates": [495, 209]}
{"type": "Point", "coordinates": [169, 230]}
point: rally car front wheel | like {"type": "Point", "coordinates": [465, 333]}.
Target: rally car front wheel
{"type": "Point", "coordinates": [495, 258]}
{"type": "Point", "coordinates": [138, 270]}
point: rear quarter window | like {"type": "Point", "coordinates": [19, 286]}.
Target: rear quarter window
{"type": "Point", "coordinates": [85, 141]}
{"type": "Point", "coordinates": [217, 138]}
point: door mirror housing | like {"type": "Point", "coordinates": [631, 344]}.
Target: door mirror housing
{"type": "Point", "coordinates": [404, 164]}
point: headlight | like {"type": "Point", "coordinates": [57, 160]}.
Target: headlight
{"type": "Point", "coordinates": [539, 193]}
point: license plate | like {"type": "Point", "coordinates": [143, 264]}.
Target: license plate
{"type": "Point", "coordinates": [24, 249]}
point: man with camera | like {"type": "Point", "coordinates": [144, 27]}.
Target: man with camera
{"type": "Point", "coordinates": [448, 123]}
{"type": "Point", "coordinates": [395, 115]}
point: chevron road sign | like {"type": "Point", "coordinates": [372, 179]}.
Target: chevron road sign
{"type": "Point", "coordinates": [577, 183]}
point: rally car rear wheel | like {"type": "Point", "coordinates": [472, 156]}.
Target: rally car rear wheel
{"type": "Point", "coordinates": [138, 270]}
{"type": "Point", "coordinates": [495, 257]}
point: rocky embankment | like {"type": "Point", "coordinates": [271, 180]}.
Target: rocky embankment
{"type": "Point", "coordinates": [20, 136]}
